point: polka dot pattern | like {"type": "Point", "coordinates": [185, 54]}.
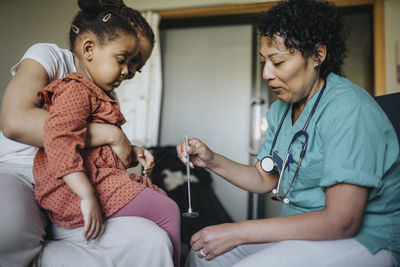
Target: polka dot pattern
{"type": "Point", "coordinates": [72, 103]}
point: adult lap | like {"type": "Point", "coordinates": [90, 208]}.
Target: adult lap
{"type": "Point", "coordinates": [22, 224]}
{"type": "Point", "coordinates": [344, 252]}
{"type": "Point", "coordinates": [126, 240]}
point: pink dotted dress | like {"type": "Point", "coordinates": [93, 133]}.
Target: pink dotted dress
{"type": "Point", "coordinates": [73, 102]}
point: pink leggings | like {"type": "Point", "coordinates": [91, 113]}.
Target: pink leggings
{"type": "Point", "coordinates": [159, 208]}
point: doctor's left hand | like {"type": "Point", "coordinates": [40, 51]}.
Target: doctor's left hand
{"type": "Point", "coordinates": [215, 240]}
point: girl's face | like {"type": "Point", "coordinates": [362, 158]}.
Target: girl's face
{"type": "Point", "coordinates": [109, 64]}
{"type": "Point", "coordinates": [145, 49]}
{"type": "Point", "coordinates": [291, 77]}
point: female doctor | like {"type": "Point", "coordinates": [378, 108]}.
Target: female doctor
{"type": "Point", "coordinates": [330, 155]}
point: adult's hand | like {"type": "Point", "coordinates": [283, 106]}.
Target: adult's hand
{"type": "Point", "coordinates": [200, 154]}
{"type": "Point", "coordinates": [215, 240]}
{"type": "Point", "coordinates": [107, 134]}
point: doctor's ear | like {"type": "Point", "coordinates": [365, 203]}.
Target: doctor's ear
{"type": "Point", "coordinates": [319, 58]}
{"type": "Point", "coordinates": [88, 47]}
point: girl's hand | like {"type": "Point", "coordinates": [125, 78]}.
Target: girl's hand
{"type": "Point", "coordinates": [92, 216]}
{"type": "Point", "coordinates": [200, 154]}
{"type": "Point", "coordinates": [107, 134]}
{"type": "Point", "coordinates": [145, 158]}
{"type": "Point", "coordinates": [215, 240]}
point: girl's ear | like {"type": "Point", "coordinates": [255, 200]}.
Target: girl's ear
{"type": "Point", "coordinates": [88, 46]}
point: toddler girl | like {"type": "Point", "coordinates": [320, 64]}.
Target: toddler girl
{"type": "Point", "coordinates": [80, 186]}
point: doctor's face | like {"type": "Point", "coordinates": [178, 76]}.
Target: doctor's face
{"type": "Point", "coordinates": [291, 76]}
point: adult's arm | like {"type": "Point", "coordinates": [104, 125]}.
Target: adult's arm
{"type": "Point", "coordinates": [249, 178]}
{"type": "Point", "coordinates": [341, 218]}
{"type": "Point", "coordinates": [22, 118]}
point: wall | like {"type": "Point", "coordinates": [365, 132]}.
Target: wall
{"type": "Point", "coordinates": [25, 22]}
{"type": "Point", "coordinates": [175, 4]}
{"type": "Point", "coordinates": [196, 77]}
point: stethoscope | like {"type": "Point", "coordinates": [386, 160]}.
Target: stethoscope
{"type": "Point", "coordinates": [268, 163]}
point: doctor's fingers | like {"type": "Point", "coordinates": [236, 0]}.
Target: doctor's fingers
{"type": "Point", "coordinates": [196, 146]}
{"type": "Point", "coordinates": [205, 250]}
{"type": "Point", "coordinates": [179, 151]}
{"type": "Point", "coordinates": [202, 238]}
{"type": "Point", "coordinates": [182, 154]}
{"type": "Point", "coordinates": [184, 150]}
{"type": "Point", "coordinates": [195, 241]}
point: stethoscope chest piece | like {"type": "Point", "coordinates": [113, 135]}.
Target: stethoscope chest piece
{"type": "Point", "coordinates": [267, 164]}
{"type": "Point", "coordinates": [275, 196]}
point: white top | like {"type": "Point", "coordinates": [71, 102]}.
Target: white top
{"type": "Point", "coordinates": [58, 63]}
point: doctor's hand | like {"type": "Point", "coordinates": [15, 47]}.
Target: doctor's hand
{"type": "Point", "coordinates": [200, 154]}
{"type": "Point", "coordinates": [144, 157]}
{"type": "Point", "coordinates": [215, 240]}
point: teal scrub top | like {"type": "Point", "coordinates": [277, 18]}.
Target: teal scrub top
{"type": "Point", "coordinates": [352, 141]}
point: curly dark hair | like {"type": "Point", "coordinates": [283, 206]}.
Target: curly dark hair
{"type": "Point", "coordinates": [306, 23]}
{"type": "Point", "coordinates": [132, 15]}
{"type": "Point", "coordinates": [91, 18]}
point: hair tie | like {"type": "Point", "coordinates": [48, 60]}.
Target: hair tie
{"type": "Point", "coordinates": [75, 29]}
{"type": "Point", "coordinates": [106, 17]}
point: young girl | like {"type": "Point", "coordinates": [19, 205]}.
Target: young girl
{"type": "Point", "coordinates": [77, 185]}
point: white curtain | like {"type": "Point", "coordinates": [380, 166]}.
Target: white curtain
{"type": "Point", "coordinates": [140, 97]}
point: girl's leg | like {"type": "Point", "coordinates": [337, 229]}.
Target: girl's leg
{"type": "Point", "coordinates": [159, 208]}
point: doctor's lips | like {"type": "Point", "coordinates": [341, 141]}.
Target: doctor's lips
{"type": "Point", "coordinates": [275, 89]}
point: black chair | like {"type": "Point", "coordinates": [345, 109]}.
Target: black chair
{"type": "Point", "coordinates": [391, 105]}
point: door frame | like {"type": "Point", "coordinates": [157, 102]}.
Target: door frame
{"type": "Point", "coordinates": [379, 79]}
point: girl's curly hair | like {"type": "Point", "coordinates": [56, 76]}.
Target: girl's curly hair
{"type": "Point", "coordinates": [306, 23]}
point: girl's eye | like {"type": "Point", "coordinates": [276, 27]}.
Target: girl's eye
{"type": "Point", "coordinates": [278, 63]}
{"type": "Point", "coordinates": [121, 60]}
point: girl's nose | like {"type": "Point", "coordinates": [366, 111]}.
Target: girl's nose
{"type": "Point", "coordinates": [125, 70]}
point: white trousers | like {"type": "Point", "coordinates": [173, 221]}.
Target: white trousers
{"type": "Point", "coordinates": [297, 253]}
{"type": "Point", "coordinates": [127, 241]}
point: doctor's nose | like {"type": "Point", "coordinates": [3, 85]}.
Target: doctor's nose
{"type": "Point", "coordinates": [268, 73]}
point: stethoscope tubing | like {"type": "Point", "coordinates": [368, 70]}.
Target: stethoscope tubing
{"type": "Point", "coordinates": [302, 132]}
